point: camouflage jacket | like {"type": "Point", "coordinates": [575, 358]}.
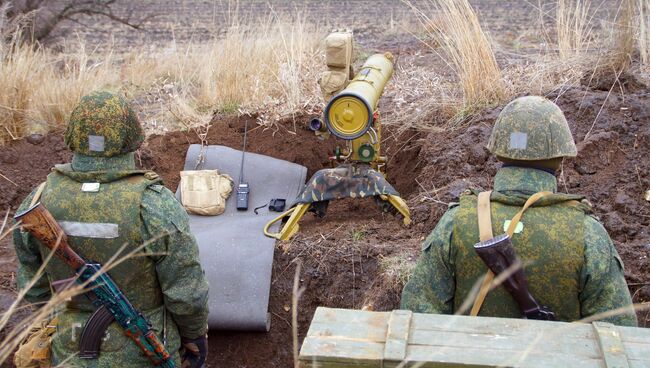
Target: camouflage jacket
{"type": "Point", "coordinates": [163, 280]}
{"type": "Point", "coordinates": [590, 267]}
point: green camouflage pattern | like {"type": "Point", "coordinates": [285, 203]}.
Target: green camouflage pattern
{"type": "Point", "coordinates": [345, 181]}
{"type": "Point", "coordinates": [551, 256]}
{"type": "Point", "coordinates": [165, 274]}
{"type": "Point", "coordinates": [103, 125]}
{"type": "Point", "coordinates": [572, 265]}
{"type": "Point", "coordinates": [531, 128]}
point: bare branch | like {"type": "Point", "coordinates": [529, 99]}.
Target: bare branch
{"type": "Point", "coordinates": [42, 17]}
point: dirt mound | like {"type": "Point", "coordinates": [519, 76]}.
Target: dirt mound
{"type": "Point", "coordinates": [25, 165]}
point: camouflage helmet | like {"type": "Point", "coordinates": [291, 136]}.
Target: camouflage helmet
{"type": "Point", "coordinates": [531, 128]}
{"type": "Point", "coordinates": [103, 125]}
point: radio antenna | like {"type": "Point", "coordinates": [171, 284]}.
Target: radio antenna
{"type": "Point", "coordinates": [243, 189]}
{"type": "Point", "coordinates": [243, 154]}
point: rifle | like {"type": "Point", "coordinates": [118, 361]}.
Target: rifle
{"type": "Point", "coordinates": [499, 255]}
{"type": "Point", "coordinates": [104, 293]}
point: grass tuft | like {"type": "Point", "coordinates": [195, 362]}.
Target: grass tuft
{"type": "Point", "coordinates": [643, 7]}
{"type": "Point", "coordinates": [467, 50]}
{"type": "Point", "coordinates": [574, 27]}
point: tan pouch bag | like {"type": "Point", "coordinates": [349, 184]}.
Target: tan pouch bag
{"type": "Point", "coordinates": [204, 192]}
{"type": "Point", "coordinates": [36, 350]}
{"type": "Point", "coordinates": [331, 82]}
{"type": "Point", "coordinates": [338, 50]}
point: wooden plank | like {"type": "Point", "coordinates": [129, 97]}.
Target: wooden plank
{"type": "Point", "coordinates": [492, 325]}
{"type": "Point", "coordinates": [315, 363]}
{"type": "Point", "coordinates": [351, 316]}
{"type": "Point", "coordinates": [397, 336]}
{"type": "Point", "coordinates": [635, 334]}
{"type": "Point", "coordinates": [638, 351]}
{"type": "Point", "coordinates": [463, 357]}
{"type": "Point", "coordinates": [611, 345]}
{"type": "Point", "coordinates": [349, 323]}
{"type": "Point", "coordinates": [531, 341]}
{"type": "Point", "coordinates": [366, 332]}
{"type": "Point", "coordinates": [341, 349]}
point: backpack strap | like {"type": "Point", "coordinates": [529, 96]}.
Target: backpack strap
{"type": "Point", "coordinates": [485, 233]}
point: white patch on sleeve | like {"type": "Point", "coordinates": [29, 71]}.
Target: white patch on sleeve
{"type": "Point", "coordinates": [96, 143]}
{"type": "Point", "coordinates": [90, 230]}
{"type": "Point", "coordinates": [518, 140]}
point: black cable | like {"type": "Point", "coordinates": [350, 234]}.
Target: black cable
{"type": "Point", "coordinates": [259, 208]}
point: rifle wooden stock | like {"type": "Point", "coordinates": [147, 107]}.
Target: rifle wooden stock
{"type": "Point", "coordinates": [40, 223]}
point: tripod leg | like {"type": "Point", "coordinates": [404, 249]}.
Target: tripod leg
{"type": "Point", "coordinates": [401, 207]}
{"type": "Point", "coordinates": [291, 227]}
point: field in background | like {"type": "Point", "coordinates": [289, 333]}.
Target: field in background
{"type": "Point", "coordinates": [193, 60]}
{"type": "Point", "coordinates": [266, 67]}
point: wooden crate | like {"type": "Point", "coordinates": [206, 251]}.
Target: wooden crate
{"type": "Point", "coordinates": [351, 338]}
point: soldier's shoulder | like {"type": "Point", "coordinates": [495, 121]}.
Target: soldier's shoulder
{"type": "Point", "coordinates": [161, 210]}
{"type": "Point", "coordinates": [597, 241]}
{"type": "Point", "coordinates": [442, 232]}
{"type": "Point", "coordinates": [593, 227]}
{"type": "Point", "coordinates": [159, 199]}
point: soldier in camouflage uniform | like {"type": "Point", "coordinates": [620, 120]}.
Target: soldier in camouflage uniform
{"type": "Point", "coordinates": [103, 203]}
{"type": "Point", "coordinates": [571, 264]}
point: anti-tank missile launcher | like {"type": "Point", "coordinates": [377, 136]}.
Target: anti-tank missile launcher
{"type": "Point", "coordinates": [350, 115]}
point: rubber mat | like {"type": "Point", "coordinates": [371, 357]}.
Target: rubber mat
{"type": "Point", "coordinates": [235, 254]}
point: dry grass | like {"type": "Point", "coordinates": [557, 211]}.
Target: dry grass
{"type": "Point", "coordinates": [574, 27]}
{"type": "Point", "coordinates": [623, 40]}
{"type": "Point", "coordinates": [396, 270]}
{"type": "Point", "coordinates": [643, 8]}
{"type": "Point", "coordinates": [268, 66]}
{"type": "Point", "coordinates": [467, 50]}
{"type": "Point", "coordinates": [587, 46]}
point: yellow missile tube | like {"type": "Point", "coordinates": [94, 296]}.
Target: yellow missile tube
{"type": "Point", "coordinates": [349, 114]}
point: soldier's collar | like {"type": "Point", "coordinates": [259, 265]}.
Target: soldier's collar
{"type": "Point", "coordinates": [83, 163]}
{"type": "Point", "coordinates": [524, 179]}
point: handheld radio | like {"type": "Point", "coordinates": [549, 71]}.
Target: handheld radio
{"type": "Point", "coordinates": [243, 189]}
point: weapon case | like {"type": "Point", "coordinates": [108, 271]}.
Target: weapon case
{"type": "Point", "coordinates": [351, 338]}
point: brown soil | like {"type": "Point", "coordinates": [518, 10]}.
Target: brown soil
{"type": "Point", "coordinates": [341, 255]}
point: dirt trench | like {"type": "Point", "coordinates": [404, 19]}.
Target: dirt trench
{"type": "Point", "coordinates": [340, 254]}
{"type": "Point", "coordinates": [346, 256]}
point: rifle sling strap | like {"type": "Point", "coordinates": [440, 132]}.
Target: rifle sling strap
{"type": "Point", "coordinates": [485, 233]}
